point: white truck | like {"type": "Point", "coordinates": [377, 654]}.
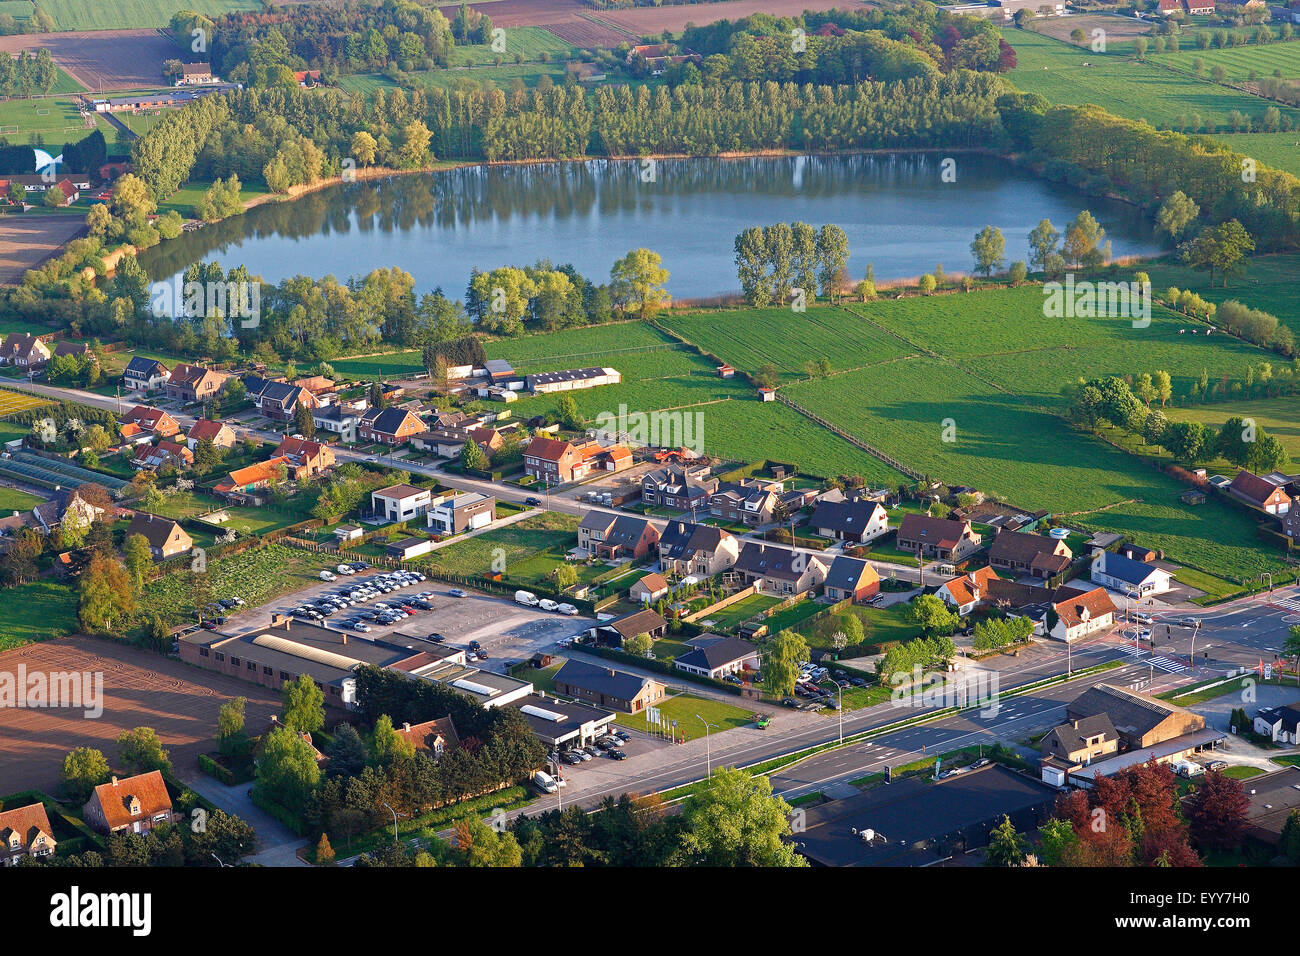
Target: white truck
{"type": "Point", "coordinates": [526, 598]}
{"type": "Point", "coordinates": [544, 782]}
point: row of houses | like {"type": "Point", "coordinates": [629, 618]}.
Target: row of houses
{"type": "Point", "coordinates": [24, 350]}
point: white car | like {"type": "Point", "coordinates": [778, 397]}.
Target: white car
{"type": "Point", "coordinates": [344, 569]}
{"type": "Point", "coordinates": [546, 604]}
{"type": "Point", "coordinates": [327, 576]}
{"type": "Point", "coordinates": [568, 609]}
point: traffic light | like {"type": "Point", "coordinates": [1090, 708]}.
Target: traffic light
{"type": "Point", "coordinates": [888, 776]}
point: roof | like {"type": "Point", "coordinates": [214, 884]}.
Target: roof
{"type": "Point", "coordinates": [555, 720]}
{"type": "Point", "coordinates": [1131, 758]}
{"type": "Point", "coordinates": [1254, 487]}
{"type": "Point", "coordinates": [156, 530]}
{"type": "Point", "coordinates": [942, 532]}
{"type": "Point", "coordinates": [1273, 797]}
{"type": "Point", "coordinates": [963, 587]}
{"type": "Point", "coordinates": [681, 539]}
{"type": "Point", "coordinates": [26, 822]}
{"type": "Point", "coordinates": [1020, 547]}
{"type": "Point", "coordinates": [419, 734]}
{"type": "Point", "coordinates": [389, 420]}
{"type": "Point", "coordinates": [849, 574]}
{"type": "Point", "coordinates": [1288, 716]}
{"type": "Point", "coordinates": [1129, 711]}
{"type": "Point", "coordinates": [548, 449]}
{"type": "Point", "coordinates": [849, 515]}
{"type": "Point", "coordinates": [597, 521]}
{"type": "Point", "coordinates": [719, 654]}
{"type": "Point", "coordinates": [773, 561]}
{"type": "Point", "coordinates": [299, 448]}
{"type": "Point", "coordinates": [281, 392]}
{"type": "Point", "coordinates": [196, 69]}
{"type": "Point", "coordinates": [1126, 569]}
{"type": "Point", "coordinates": [115, 798]}
{"type": "Point", "coordinates": [637, 622]}
{"type": "Point", "coordinates": [652, 582]}
{"type": "Point", "coordinates": [568, 375]}
{"type": "Point", "coordinates": [1074, 734]}
{"type": "Point", "coordinates": [207, 430]}
{"type": "Point", "coordinates": [601, 680]}
{"type": "Point", "coordinates": [400, 491]}
{"type": "Point", "coordinates": [626, 530]}
{"type": "Point", "coordinates": [258, 472]}
{"type": "Point", "coordinates": [1087, 605]}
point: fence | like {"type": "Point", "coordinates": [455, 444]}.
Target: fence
{"type": "Point", "coordinates": [851, 439]}
{"type": "Point", "coordinates": [724, 603]}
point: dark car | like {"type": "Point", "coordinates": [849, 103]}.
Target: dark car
{"type": "Point", "coordinates": [858, 682]}
{"type": "Point", "coordinates": [228, 603]}
{"type": "Point", "coordinates": [474, 645]}
{"type": "Point", "coordinates": [789, 702]}
{"type": "Point", "coordinates": [616, 755]}
{"type": "Point", "coordinates": [437, 637]}
{"type": "Point", "coordinates": [359, 565]}
{"type": "Point", "coordinates": [532, 501]}
{"type": "Point", "coordinates": [209, 625]}
{"type": "Point", "coordinates": [570, 757]}
{"type": "Point", "coordinates": [606, 744]}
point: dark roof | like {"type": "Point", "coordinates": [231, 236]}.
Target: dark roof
{"type": "Point", "coordinates": [389, 420]}
{"type": "Point", "coordinates": [601, 680]}
{"type": "Point", "coordinates": [281, 392]}
{"type": "Point", "coordinates": [939, 531]}
{"type": "Point", "coordinates": [847, 573]}
{"type": "Point", "coordinates": [638, 622]}
{"type": "Point", "coordinates": [627, 530]}
{"type": "Point", "coordinates": [1135, 714]}
{"type": "Point", "coordinates": [1020, 547]}
{"type": "Point", "coordinates": [143, 367]}
{"type": "Point", "coordinates": [772, 561]}
{"type": "Point", "coordinates": [1126, 569]}
{"type": "Point", "coordinates": [156, 530]}
{"type": "Point", "coordinates": [719, 653]}
{"type": "Point", "coordinates": [1074, 734]}
{"type": "Point", "coordinates": [844, 516]}
{"type": "Point", "coordinates": [681, 539]}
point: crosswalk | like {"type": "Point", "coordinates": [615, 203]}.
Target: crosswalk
{"type": "Point", "coordinates": [1288, 604]}
{"type": "Point", "coordinates": [1167, 664]}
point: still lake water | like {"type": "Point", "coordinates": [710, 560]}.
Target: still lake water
{"type": "Point", "coordinates": [897, 212]}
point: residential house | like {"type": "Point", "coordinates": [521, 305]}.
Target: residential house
{"type": "Point", "coordinates": [1198, 8]}
{"type": "Point", "coordinates": [434, 737]}
{"type": "Point", "coordinates": [613, 537]}
{"type": "Point", "coordinates": [76, 349]}
{"type": "Point", "coordinates": [153, 457]}
{"type": "Point", "coordinates": [135, 804]}
{"type": "Point", "coordinates": [679, 487]}
{"type": "Point", "coordinates": [400, 502]}
{"type": "Point", "coordinates": [1081, 613]}
{"type": "Point", "coordinates": [307, 458]}
{"type": "Point", "coordinates": [851, 579]}
{"type": "Point", "coordinates": [279, 401]}
{"type": "Point", "coordinates": [24, 351]}
{"type": "Point", "coordinates": [192, 384]}
{"type": "Point", "coordinates": [388, 426]}
{"type": "Point", "coordinates": [166, 537]}
{"type": "Point", "coordinates": [318, 385]}
{"type": "Point", "coordinates": [698, 550]}
{"type": "Point", "coordinates": [939, 538]}
{"type": "Point", "coordinates": [144, 374]}
{"type": "Point", "coordinates": [606, 687]}
{"type": "Point", "coordinates": [195, 74]}
{"type": "Point", "coordinates": [965, 592]}
{"type": "Point", "coordinates": [781, 570]}
{"type": "Point", "coordinates": [750, 501]}
{"type": "Point", "coordinates": [338, 419]}
{"type": "Point", "coordinates": [219, 433]}
{"type": "Point", "coordinates": [1268, 493]}
{"type": "Point", "coordinates": [251, 484]}
{"type": "Point", "coordinates": [854, 519]}
{"type": "Point", "coordinates": [616, 631]}
{"type": "Point", "coordinates": [1169, 7]}
{"type": "Point", "coordinates": [25, 831]}
{"type": "Point", "coordinates": [1074, 745]}
{"type": "Point", "coordinates": [1035, 555]}
{"type": "Point", "coordinates": [1139, 719]}
{"type": "Point", "coordinates": [152, 420]}
{"type": "Point", "coordinates": [67, 507]}
{"type": "Point", "coordinates": [452, 514]}
{"type": "Point", "coordinates": [649, 589]}
{"type": "Point", "coordinates": [717, 657]}
{"type": "Point", "coordinates": [559, 462]}
{"type": "Point", "coordinates": [1133, 578]}
{"type": "Point", "coordinates": [1279, 724]}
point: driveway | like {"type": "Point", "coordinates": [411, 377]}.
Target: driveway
{"type": "Point", "coordinates": [277, 845]}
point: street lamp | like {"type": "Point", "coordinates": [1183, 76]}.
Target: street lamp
{"type": "Point", "coordinates": [839, 690]}
{"type": "Point", "coordinates": [394, 813]}
{"type": "Point", "coordinates": [217, 858]}
{"type": "Point", "coordinates": [708, 751]}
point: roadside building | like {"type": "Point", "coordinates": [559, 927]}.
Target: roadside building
{"type": "Point", "coordinates": [606, 687]}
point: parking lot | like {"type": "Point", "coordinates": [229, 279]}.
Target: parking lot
{"type": "Point", "coordinates": [507, 632]}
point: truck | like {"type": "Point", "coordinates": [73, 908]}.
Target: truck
{"type": "Point", "coordinates": [544, 782]}
{"type": "Point", "coordinates": [526, 598]}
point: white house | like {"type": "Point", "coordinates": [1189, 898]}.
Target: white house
{"type": "Point", "coordinates": [1080, 613]}
{"type": "Point", "coordinates": [964, 593]}
{"type": "Point", "coordinates": [1280, 724]}
{"type": "Point", "coordinates": [400, 502]}
{"type": "Point", "coordinates": [1126, 576]}
{"type": "Point", "coordinates": [716, 657]}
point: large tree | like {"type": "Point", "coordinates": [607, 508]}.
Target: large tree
{"type": "Point", "coordinates": [988, 248]}
{"type": "Point", "coordinates": [637, 281]}
{"type": "Point", "coordinates": [733, 821]}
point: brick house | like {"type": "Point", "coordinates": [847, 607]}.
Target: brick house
{"type": "Point", "coordinates": [25, 831]}
{"type": "Point", "coordinates": [678, 487]}
{"type": "Point", "coordinates": [606, 687]}
{"type": "Point", "coordinates": [166, 537]}
{"type": "Point", "coordinates": [937, 537]}
{"type": "Point", "coordinates": [1033, 554]}
{"type": "Point", "coordinates": [853, 519]}
{"type": "Point", "coordinates": [307, 458]}
{"type": "Point", "coordinates": [219, 433]}
{"type": "Point", "coordinates": [965, 592]}
{"type": "Point", "coordinates": [152, 420]}
{"type": "Point", "coordinates": [388, 426]}
{"type": "Point", "coordinates": [135, 805]}
{"type": "Point", "coordinates": [851, 579]}
{"type": "Point", "coordinates": [614, 536]}
{"type": "Point", "coordinates": [780, 570]}
{"type": "Point", "coordinates": [1268, 493]}
{"type": "Point", "coordinates": [697, 549]}
{"type": "Point", "coordinates": [194, 383]}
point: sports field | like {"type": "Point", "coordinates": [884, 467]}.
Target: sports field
{"type": "Point", "coordinates": [55, 120]}
{"type": "Point", "coordinates": [131, 14]}
{"type": "Point", "coordinates": [1142, 91]}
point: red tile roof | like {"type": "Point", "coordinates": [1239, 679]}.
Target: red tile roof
{"type": "Point", "coordinates": [115, 798]}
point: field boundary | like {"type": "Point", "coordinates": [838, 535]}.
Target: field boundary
{"type": "Point", "coordinates": [850, 438]}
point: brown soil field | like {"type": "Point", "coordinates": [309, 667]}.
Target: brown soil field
{"type": "Point", "coordinates": [1117, 28]}
{"type": "Point", "coordinates": [525, 13]}
{"type": "Point", "coordinates": [140, 690]}
{"type": "Point", "coordinates": [104, 60]}
{"type": "Point", "coordinates": [651, 21]}
{"type": "Point", "coordinates": [27, 240]}
{"type": "Point", "coordinates": [587, 34]}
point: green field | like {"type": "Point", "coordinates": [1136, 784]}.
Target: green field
{"type": "Point", "coordinates": [1279, 150]}
{"type": "Point", "coordinates": [1126, 87]}
{"type": "Point", "coordinates": [532, 43]}
{"type": "Point", "coordinates": [687, 710]}
{"type": "Point", "coordinates": [516, 547]}
{"type": "Point", "coordinates": [1267, 282]}
{"type": "Point", "coordinates": [37, 611]}
{"type": "Point", "coordinates": [1238, 62]}
{"type": "Point", "coordinates": [55, 120]}
{"type": "Point", "coordinates": [11, 499]}
{"type": "Point", "coordinates": [18, 9]}
{"type": "Point", "coordinates": [185, 199]}
{"type": "Point", "coordinates": [132, 14]}
{"type": "Point", "coordinates": [1278, 416]}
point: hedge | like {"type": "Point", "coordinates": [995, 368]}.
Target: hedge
{"type": "Point", "coordinates": [282, 814]}
{"type": "Point", "coordinates": [216, 770]}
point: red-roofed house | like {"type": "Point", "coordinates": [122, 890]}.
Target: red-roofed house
{"type": "Point", "coordinates": [307, 457]}
{"type": "Point", "coordinates": [940, 538]}
{"type": "Point", "coordinates": [219, 433]}
{"type": "Point", "coordinates": [1262, 492]}
{"type": "Point", "coordinates": [247, 484]}
{"type": "Point", "coordinates": [965, 592]}
{"type": "Point", "coordinates": [559, 462]}
{"type": "Point", "coordinates": [153, 420]}
{"type": "Point", "coordinates": [1082, 614]}
{"type": "Point", "coordinates": [135, 805]}
{"type": "Point", "coordinates": [25, 831]}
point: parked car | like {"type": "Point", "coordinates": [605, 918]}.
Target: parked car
{"type": "Point", "coordinates": [546, 604]}
{"type": "Point", "coordinates": [458, 592]}
{"type": "Point", "coordinates": [617, 755]}
{"type": "Point", "coordinates": [532, 501]}
{"type": "Point", "coordinates": [622, 736]}
{"type": "Point", "coordinates": [1217, 765]}
{"type": "Point", "coordinates": [437, 637]}
{"type": "Point", "coordinates": [604, 743]}
{"type": "Point", "coordinates": [570, 757]}
{"type": "Point", "coordinates": [327, 576]}
{"type": "Point", "coordinates": [789, 702]}
{"type": "Point", "coordinates": [567, 609]}
{"type": "Point", "coordinates": [345, 569]}
{"type": "Point", "coordinates": [582, 754]}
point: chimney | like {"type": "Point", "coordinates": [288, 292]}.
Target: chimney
{"type": "Point", "coordinates": [114, 781]}
{"type": "Point", "coordinates": [344, 638]}
{"type": "Point", "coordinates": [406, 726]}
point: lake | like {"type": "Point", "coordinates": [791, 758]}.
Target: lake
{"type": "Point", "coordinates": [898, 213]}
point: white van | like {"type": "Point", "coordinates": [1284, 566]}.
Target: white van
{"type": "Point", "coordinates": [544, 782]}
{"type": "Point", "coordinates": [546, 604]}
{"type": "Point", "coordinates": [526, 598]}
{"type": "Point", "coordinates": [1185, 768]}
{"type": "Point", "coordinates": [327, 576]}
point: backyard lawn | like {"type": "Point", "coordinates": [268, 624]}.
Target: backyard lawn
{"type": "Point", "coordinates": [729, 618]}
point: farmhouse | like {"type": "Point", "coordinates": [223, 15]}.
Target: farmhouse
{"type": "Point", "coordinates": [452, 514]}
{"type": "Point", "coordinates": [696, 549]}
{"type": "Point", "coordinates": [716, 657]}
{"type": "Point", "coordinates": [400, 502]}
{"type": "Point", "coordinates": [937, 537]}
{"type": "Point", "coordinates": [851, 579]}
{"type": "Point", "coordinates": [1134, 578]}
{"type": "Point", "coordinates": [853, 519]}
{"type": "Point", "coordinates": [614, 537]}
{"type": "Point", "coordinates": [780, 570]}
{"type": "Point", "coordinates": [1080, 613]}
{"type": "Point", "coordinates": [144, 373]}
{"type": "Point", "coordinates": [1033, 554]}
{"type": "Point", "coordinates": [1268, 493]}
{"type": "Point", "coordinates": [136, 804]}
{"type": "Point", "coordinates": [166, 537]}
{"type": "Point", "coordinates": [545, 382]}
{"type": "Point", "coordinates": [606, 687]}
{"type": "Point", "coordinates": [195, 74]}
{"type": "Point", "coordinates": [25, 831]}
{"type": "Point", "coordinates": [965, 592]}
